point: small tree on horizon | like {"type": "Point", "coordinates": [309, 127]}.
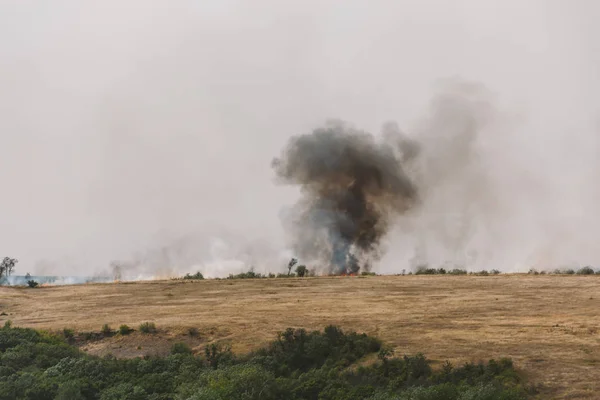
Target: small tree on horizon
{"type": "Point", "coordinates": [291, 264]}
{"type": "Point", "coordinates": [301, 271]}
{"type": "Point", "coordinates": [6, 266]}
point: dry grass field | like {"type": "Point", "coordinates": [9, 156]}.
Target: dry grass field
{"type": "Point", "coordinates": [549, 325]}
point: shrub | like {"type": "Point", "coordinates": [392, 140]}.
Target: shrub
{"type": "Point", "coordinates": [198, 275]}
{"type": "Point", "coordinates": [106, 331]}
{"type": "Point", "coordinates": [495, 272]}
{"type": "Point", "coordinates": [32, 284]}
{"type": "Point", "coordinates": [180, 348]}
{"type": "Point", "coordinates": [69, 334]}
{"type": "Point", "coordinates": [458, 271]}
{"type": "Point", "coordinates": [217, 354]}
{"type": "Point", "coordinates": [125, 330]}
{"type": "Point", "coordinates": [193, 332]}
{"type": "Point", "coordinates": [299, 365]}
{"type": "Point", "coordinates": [425, 271]}
{"type": "Point", "coordinates": [246, 275]}
{"type": "Point", "coordinates": [368, 273]}
{"type": "Point", "coordinates": [430, 271]}
{"type": "Point", "coordinates": [585, 271]}
{"type": "Point", "coordinates": [147, 327]}
{"type": "Point", "coordinates": [301, 271]}
{"type": "Point", "coordinates": [533, 271]}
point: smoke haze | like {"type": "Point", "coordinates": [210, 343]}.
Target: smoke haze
{"type": "Point", "coordinates": [143, 131]}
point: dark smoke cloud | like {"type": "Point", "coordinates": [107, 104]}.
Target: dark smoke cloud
{"type": "Point", "coordinates": [352, 185]}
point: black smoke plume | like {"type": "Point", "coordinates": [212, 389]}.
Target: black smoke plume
{"type": "Point", "coordinates": [352, 185]}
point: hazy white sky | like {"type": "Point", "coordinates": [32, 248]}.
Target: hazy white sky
{"type": "Point", "coordinates": [124, 124]}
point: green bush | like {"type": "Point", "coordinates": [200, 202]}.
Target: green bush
{"type": "Point", "coordinates": [247, 275]}
{"type": "Point", "coordinates": [301, 271]}
{"type": "Point", "coordinates": [585, 271]}
{"type": "Point", "coordinates": [458, 271]}
{"type": "Point", "coordinates": [32, 284]}
{"type": "Point", "coordinates": [197, 275]}
{"type": "Point", "coordinates": [298, 365]}
{"type": "Point", "coordinates": [147, 327]}
{"type": "Point", "coordinates": [125, 330]}
{"type": "Point", "coordinates": [68, 333]}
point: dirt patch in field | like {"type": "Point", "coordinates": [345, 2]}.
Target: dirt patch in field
{"type": "Point", "coordinates": [138, 344]}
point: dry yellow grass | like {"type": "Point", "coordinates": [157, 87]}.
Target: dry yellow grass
{"type": "Point", "coordinates": [549, 325]}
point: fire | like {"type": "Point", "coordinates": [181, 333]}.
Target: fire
{"type": "Point", "coordinates": [344, 275]}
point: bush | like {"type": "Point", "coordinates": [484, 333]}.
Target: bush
{"type": "Point", "coordinates": [193, 332]}
{"type": "Point", "coordinates": [217, 354]}
{"type": "Point", "coordinates": [247, 275]}
{"type": "Point", "coordinates": [180, 348]}
{"type": "Point", "coordinates": [198, 275]}
{"type": "Point", "coordinates": [68, 333]}
{"type": "Point", "coordinates": [106, 331]}
{"type": "Point", "coordinates": [368, 273]}
{"type": "Point", "coordinates": [298, 365]}
{"type": "Point", "coordinates": [585, 271]}
{"type": "Point", "coordinates": [425, 271]}
{"type": "Point", "coordinates": [32, 284]}
{"type": "Point", "coordinates": [458, 271]}
{"type": "Point", "coordinates": [301, 271]}
{"type": "Point", "coordinates": [495, 272]}
{"type": "Point", "coordinates": [431, 271]}
{"type": "Point", "coordinates": [147, 327]}
{"type": "Point", "coordinates": [125, 330]}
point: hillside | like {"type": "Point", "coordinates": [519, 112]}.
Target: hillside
{"type": "Point", "coordinates": [547, 324]}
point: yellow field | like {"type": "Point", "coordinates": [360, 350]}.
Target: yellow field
{"type": "Point", "coordinates": [549, 325]}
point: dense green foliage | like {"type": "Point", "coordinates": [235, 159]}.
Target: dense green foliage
{"type": "Point", "coordinates": [328, 365]}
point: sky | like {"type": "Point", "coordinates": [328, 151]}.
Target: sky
{"type": "Point", "coordinates": [145, 129]}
